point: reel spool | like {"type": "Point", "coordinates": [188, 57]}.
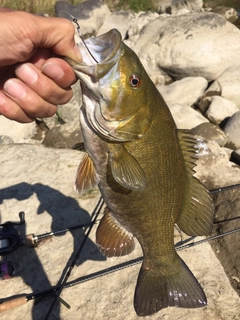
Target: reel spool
{"type": "Point", "coordinates": [7, 270]}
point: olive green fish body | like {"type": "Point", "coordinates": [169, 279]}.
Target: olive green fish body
{"type": "Point", "coordinates": [144, 169]}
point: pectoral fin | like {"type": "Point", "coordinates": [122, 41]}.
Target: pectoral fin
{"type": "Point", "coordinates": [125, 168]}
{"type": "Point", "coordinates": [196, 218]}
{"type": "Point", "coordinates": [112, 239]}
{"type": "Point", "coordinates": [86, 178]}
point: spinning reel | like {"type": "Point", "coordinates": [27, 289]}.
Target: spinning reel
{"type": "Point", "coordinates": [10, 240]}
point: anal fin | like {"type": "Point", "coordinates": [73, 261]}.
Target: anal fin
{"type": "Point", "coordinates": [112, 239]}
{"type": "Point", "coordinates": [125, 168]}
{"type": "Point", "coordinates": [86, 178]}
{"type": "Point", "coordinates": [196, 217]}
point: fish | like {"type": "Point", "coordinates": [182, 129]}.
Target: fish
{"type": "Point", "coordinates": [144, 168]}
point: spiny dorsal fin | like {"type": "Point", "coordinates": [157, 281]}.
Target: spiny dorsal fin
{"type": "Point", "coordinates": [125, 168]}
{"type": "Point", "coordinates": [112, 239]}
{"type": "Point", "coordinates": [196, 217]}
{"type": "Point", "coordinates": [86, 178]}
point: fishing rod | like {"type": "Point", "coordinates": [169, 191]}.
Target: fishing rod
{"type": "Point", "coordinates": [20, 300]}
{"type": "Point", "coordinates": [15, 301]}
{"type": "Point", "coordinates": [213, 191]}
{"type": "Point", "coordinates": [10, 238]}
{"type": "Point", "coordinates": [65, 277]}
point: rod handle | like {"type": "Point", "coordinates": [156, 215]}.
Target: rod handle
{"type": "Point", "coordinates": [12, 303]}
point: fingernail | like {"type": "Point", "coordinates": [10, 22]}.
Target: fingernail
{"type": "Point", "coordinates": [27, 74]}
{"type": "Point", "coordinates": [52, 71]}
{"type": "Point", "coordinates": [2, 98]}
{"type": "Point", "coordinates": [14, 89]}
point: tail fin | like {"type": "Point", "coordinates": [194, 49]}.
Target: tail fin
{"type": "Point", "coordinates": [155, 291]}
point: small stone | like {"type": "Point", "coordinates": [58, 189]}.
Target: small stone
{"type": "Point", "coordinates": [235, 156]}
{"type": "Point", "coordinates": [220, 109]}
{"type": "Point", "coordinates": [232, 131]}
{"type": "Point", "coordinates": [226, 85]}
{"type": "Point", "coordinates": [230, 14]}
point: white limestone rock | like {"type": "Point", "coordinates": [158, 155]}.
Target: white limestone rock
{"type": "Point", "coordinates": [227, 85]}
{"type": "Point", "coordinates": [185, 117]}
{"type": "Point", "coordinates": [186, 91]}
{"type": "Point", "coordinates": [195, 44]}
{"type": "Point", "coordinates": [220, 109]}
{"type": "Point", "coordinates": [39, 181]}
{"type": "Point", "coordinates": [17, 132]}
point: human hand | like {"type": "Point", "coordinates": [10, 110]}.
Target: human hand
{"type": "Point", "coordinates": [33, 80]}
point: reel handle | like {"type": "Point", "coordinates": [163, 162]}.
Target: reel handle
{"type": "Point", "coordinates": [12, 303]}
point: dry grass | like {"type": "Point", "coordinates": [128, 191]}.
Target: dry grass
{"type": "Point", "coordinates": [34, 6]}
{"type": "Point", "coordinates": [47, 6]}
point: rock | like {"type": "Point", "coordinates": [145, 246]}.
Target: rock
{"type": "Point", "coordinates": [227, 206]}
{"type": "Point", "coordinates": [138, 20]}
{"type": "Point", "coordinates": [185, 117]}
{"type": "Point", "coordinates": [120, 20]}
{"type": "Point", "coordinates": [235, 156]}
{"type": "Point", "coordinates": [209, 131]}
{"type": "Point", "coordinates": [17, 132]}
{"type": "Point", "coordinates": [5, 140]}
{"type": "Point", "coordinates": [90, 14]}
{"type": "Point", "coordinates": [226, 85]}
{"type": "Point", "coordinates": [230, 14]}
{"type": "Point", "coordinates": [64, 136]}
{"type": "Point", "coordinates": [185, 92]}
{"type": "Point", "coordinates": [39, 181]}
{"type": "Point", "coordinates": [214, 168]}
{"type": "Point", "coordinates": [232, 131]}
{"type": "Point", "coordinates": [220, 109]}
{"type": "Point", "coordinates": [190, 45]}
{"type": "Point", "coordinates": [179, 6]}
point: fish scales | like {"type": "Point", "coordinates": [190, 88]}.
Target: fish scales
{"type": "Point", "coordinates": [144, 170]}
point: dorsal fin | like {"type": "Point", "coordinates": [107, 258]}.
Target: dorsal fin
{"type": "Point", "coordinates": [125, 168]}
{"type": "Point", "coordinates": [112, 239]}
{"type": "Point", "coordinates": [196, 217]}
{"type": "Point", "coordinates": [86, 178]}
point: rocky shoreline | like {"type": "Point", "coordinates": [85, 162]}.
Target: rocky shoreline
{"type": "Point", "coordinates": [193, 57]}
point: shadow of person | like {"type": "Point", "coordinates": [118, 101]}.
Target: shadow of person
{"type": "Point", "coordinates": [65, 212]}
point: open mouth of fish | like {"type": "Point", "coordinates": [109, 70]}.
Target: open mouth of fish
{"type": "Point", "coordinates": [97, 70]}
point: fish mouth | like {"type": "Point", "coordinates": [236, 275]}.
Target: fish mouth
{"type": "Point", "coordinates": [99, 56]}
{"type": "Point", "coordinates": [99, 66]}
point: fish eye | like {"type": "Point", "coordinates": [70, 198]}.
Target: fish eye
{"type": "Point", "coordinates": [135, 81]}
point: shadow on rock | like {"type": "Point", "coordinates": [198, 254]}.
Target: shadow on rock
{"type": "Point", "coordinates": [65, 212]}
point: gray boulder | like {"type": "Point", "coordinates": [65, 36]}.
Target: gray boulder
{"type": "Point", "coordinates": [232, 131]}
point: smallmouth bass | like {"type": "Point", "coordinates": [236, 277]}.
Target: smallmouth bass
{"type": "Point", "coordinates": [144, 169]}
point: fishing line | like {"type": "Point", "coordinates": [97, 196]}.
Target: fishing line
{"type": "Point", "coordinates": [79, 32]}
{"type": "Point", "coordinates": [95, 214]}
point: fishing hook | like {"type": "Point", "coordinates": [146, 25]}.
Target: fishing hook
{"type": "Point", "coordinates": [79, 33]}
